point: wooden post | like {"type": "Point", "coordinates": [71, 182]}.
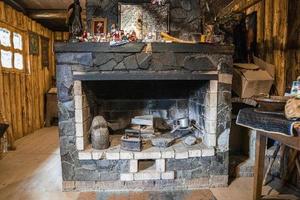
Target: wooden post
{"type": "Point", "coordinates": [260, 151]}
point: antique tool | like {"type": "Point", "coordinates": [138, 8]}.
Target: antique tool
{"type": "Point", "coordinates": [132, 140]}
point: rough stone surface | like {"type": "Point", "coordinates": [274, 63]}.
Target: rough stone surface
{"type": "Point", "coordinates": [143, 60]}
{"type": "Point", "coordinates": [191, 170]}
{"type": "Point", "coordinates": [190, 140]}
{"type": "Point", "coordinates": [201, 63]}
{"type": "Point", "coordinates": [75, 58]}
{"type": "Point", "coordinates": [131, 63]}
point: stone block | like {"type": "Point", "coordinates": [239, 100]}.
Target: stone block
{"type": "Point", "coordinates": [195, 152]}
{"type": "Point", "coordinates": [210, 126]}
{"type": "Point", "coordinates": [210, 113]}
{"type": "Point", "coordinates": [126, 177]}
{"type": "Point", "coordinates": [82, 115]}
{"type": "Point", "coordinates": [181, 151]}
{"type": "Point", "coordinates": [151, 153]}
{"type": "Point", "coordinates": [202, 182]}
{"type": "Point", "coordinates": [210, 140]}
{"type": "Point", "coordinates": [133, 166]}
{"type": "Point", "coordinates": [168, 153]}
{"type": "Point", "coordinates": [218, 181]}
{"type": "Point", "coordinates": [126, 155]}
{"type": "Point", "coordinates": [143, 176]}
{"type": "Point", "coordinates": [98, 154]}
{"type": "Point", "coordinates": [82, 128]}
{"type": "Point", "coordinates": [198, 63]}
{"type": "Point", "coordinates": [143, 60]}
{"type": "Point", "coordinates": [211, 99]}
{"type": "Point", "coordinates": [131, 63]}
{"type": "Point", "coordinates": [160, 165]}
{"type": "Point", "coordinates": [213, 86]}
{"type": "Point", "coordinates": [77, 88]}
{"type": "Point", "coordinates": [168, 175]}
{"type": "Point", "coordinates": [113, 153]}
{"type": "Point", "coordinates": [66, 128]}
{"type": "Point", "coordinates": [225, 78]}
{"type": "Point", "coordinates": [78, 102]}
{"type": "Point", "coordinates": [206, 151]}
{"type": "Point", "coordinates": [85, 155]}
{"type": "Point", "coordinates": [79, 143]}
{"type": "Point", "coordinates": [75, 58]}
{"type": "Point", "coordinates": [68, 185]}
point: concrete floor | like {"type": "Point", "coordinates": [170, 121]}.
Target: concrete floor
{"type": "Point", "coordinates": [33, 171]}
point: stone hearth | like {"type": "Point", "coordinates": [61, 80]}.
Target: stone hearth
{"type": "Point", "coordinates": [168, 81]}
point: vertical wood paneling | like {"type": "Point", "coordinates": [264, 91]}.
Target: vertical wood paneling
{"type": "Point", "coordinates": [22, 93]}
{"type": "Point", "coordinates": [272, 34]}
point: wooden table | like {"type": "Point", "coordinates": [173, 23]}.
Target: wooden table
{"type": "Point", "coordinates": [275, 127]}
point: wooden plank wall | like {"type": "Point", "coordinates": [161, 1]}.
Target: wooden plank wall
{"type": "Point", "coordinates": [273, 33]}
{"type": "Point", "coordinates": [22, 93]}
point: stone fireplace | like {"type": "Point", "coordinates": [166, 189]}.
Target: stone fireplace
{"type": "Point", "coordinates": [166, 81]}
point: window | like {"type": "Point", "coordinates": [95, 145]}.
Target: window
{"type": "Point", "coordinates": [11, 49]}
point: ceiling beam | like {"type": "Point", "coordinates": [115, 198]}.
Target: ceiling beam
{"type": "Point", "coordinates": [237, 6]}
{"type": "Point", "coordinates": [16, 5]}
{"type": "Point", "coordinates": [49, 14]}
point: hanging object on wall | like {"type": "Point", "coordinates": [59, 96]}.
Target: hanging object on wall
{"type": "Point", "coordinates": [45, 51]}
{"type": "Point", "coordinates": [33, 43]}
{"type": "Point", "coordinates": [74, 21]}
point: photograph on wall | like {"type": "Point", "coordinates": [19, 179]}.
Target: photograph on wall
{"type": "Point", "coordinates": [33, 43]}
{"type": "Point", "coordinates": [45, 51]}
{"type": "Point", "coordinates": [99, 26]}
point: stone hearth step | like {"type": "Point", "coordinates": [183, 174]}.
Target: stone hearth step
{"type": "Point", "coordinates": [177, 151]}
{"type": "Point", "coordinates": [148, 175]}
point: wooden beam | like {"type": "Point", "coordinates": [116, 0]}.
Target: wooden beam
{"type": "Point", "coordinates": [50, 14]}
{"type": "Point", "coordinates": [237, 6]}
{"type": "Point", "coordinates": [15, 5]}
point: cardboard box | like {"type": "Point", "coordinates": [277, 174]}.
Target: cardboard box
{"type": "Point", "coordinates": [252, 79]}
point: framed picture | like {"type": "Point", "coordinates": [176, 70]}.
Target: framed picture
{"type": "Point", "coordinates": [33, 43]}
{"type": "Point", "coordinates": [99, 26]}
{"type": "Point", "coordinates": [45, 51]}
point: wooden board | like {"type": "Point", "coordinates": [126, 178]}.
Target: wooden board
{"type": "Point", "coordinates": [22, 91]}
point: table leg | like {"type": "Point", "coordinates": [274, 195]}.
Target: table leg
{"type": "Point", "coordinates": [260, 149]}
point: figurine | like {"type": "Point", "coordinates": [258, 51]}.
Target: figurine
{"type": "Point", "coordinates": [74, 21]}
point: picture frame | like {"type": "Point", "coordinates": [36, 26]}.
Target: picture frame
{"type": "Point", "coordinates": [45, 51]}
{"type": "Point", "coordinates": [33, 43]}
{"type": "Point", "coordinates": [99, 26]}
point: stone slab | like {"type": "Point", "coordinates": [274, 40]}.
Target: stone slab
{"type": "Point", "coordinates": [98, 47]}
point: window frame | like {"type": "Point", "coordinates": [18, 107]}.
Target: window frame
{"type": "Point", "coordinates": [13, 50]}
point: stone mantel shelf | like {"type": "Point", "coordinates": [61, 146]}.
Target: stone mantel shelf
{"type": "Point", "coordinates": [142, 75]}
{"type": "Point", "coordinates": [138, 47]}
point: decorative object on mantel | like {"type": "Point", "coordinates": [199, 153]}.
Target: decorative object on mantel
{"type": "Point", "coordinates": [33, 43]}
{"type": "Point", "coordinates": [99, 133]}
{"type": "Point", "coordinates": [74, 21]}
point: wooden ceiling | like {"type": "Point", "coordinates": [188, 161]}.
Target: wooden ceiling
{"type": "Point", "coordinates": [48, 4]}
{"type": "Point", "coordinates": [50, 13]}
